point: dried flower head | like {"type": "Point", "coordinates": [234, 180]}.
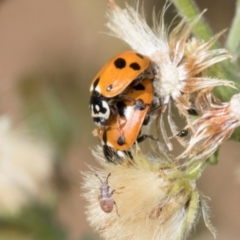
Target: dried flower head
{"type": "Point", "coordinates": [214, 127]}
{"type": "Point", "coordinates": [154, 199]}
{"type": "Point", "coordinates": [25, 169]}
{"type": "Point", "coordinates": [180, 62]}
{"type": "Point", "coordinates": [177, 68]}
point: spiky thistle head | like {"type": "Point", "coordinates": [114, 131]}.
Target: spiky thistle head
{"type": "Point", "coordinates": [217, 124]}
{"type": "Point", "coordinates": [169, 52]}
{"type": "Point", "coordinates": [180, 62]}
{"type": "Point", "coordinates": [154, 199]}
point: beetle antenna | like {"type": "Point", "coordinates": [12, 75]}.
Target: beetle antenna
{"type": "Point", "coordinates": [99, 178]}
{"type": "Point", "coordinates": [107, 178]}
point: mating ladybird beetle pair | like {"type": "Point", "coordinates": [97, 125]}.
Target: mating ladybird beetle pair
{"type": "Point", "coordinates": [128, 68]}
{"type": "Point", "coordinates": [121, 96]}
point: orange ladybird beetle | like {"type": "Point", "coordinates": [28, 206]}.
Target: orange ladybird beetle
{"type": "Point", "coordinates": [125, 128]}
{"type": "Point", "coordinates": [125, 69]}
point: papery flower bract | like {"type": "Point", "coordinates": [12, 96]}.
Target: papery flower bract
{"type": "Point", "coordinates": [155, 200]}
{"type": "Point", "coordinates": [211, 129]}
{"type": "Point", "coordinates": [179, 68]}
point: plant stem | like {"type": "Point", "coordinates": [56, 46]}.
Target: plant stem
{"type": "Point", "coordinates": [225, 70]}
{"type": "Point", "coordinates": [189, 10]}
{"type": "Point", "coordinates": [233, 43]}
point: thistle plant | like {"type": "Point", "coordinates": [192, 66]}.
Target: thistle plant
{"type": "Point", "coordinates": [156, 195]}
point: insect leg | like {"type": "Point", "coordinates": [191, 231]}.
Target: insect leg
{"type": "Point", "coordinates": [116, 208]}
{"type": "Point", "coordinates": [144, 136]}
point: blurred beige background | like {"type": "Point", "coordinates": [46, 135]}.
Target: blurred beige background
{"type": "Point", "coordinates": [61, 39]}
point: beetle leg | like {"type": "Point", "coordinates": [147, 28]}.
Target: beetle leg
{"type": "Point", "coordinates": [154, 108]}
{"type": "Point", "coordinates": [144, 136]}
{"type": "Point", "coordinates": [129, 154]}
{"type": "Point", "coordinates": [114, 109]}
{"type": "Point", "coordinates": [113, 191]}
{"type": "Point", "coordinates": [146, 120]}
{"type": "Point", "coordinates": [116, 208]}
{"type": "Point", "coordinates": [139, 104]}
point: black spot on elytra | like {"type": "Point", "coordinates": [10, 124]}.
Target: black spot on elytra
{"type": "Point", "coordinates": [139, 87]}
{"type": "Point", "coordinates": [121, 140]}
{"type": "Point", "coordinates": [135, 66]}
{"type": "Point", "coordinates": [96, 83]}
{"type": "Point", "coordinates": [121, 106]}
{"type": "Point", "coordinates": [140, 55]}
{"type": "Point", "coordinates": [120, 63]}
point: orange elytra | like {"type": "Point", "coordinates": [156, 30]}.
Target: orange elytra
{"type": "Point", "coordinates": [124, 129]}
{"type": "Point", "coordinates": [120, 72]}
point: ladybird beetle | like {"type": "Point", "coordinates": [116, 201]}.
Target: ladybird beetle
{"type": "Point", "coordinates": [105, 197]}
{"type": "Point", "coordinates": [124, 129]}
{"type": "Point", "coordinates": [120, 72]}
{"type": "Point", "coordinates": [127, 68]}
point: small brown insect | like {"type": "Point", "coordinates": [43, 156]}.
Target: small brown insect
{"type": "Point", "coordinates": [105, 197]}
